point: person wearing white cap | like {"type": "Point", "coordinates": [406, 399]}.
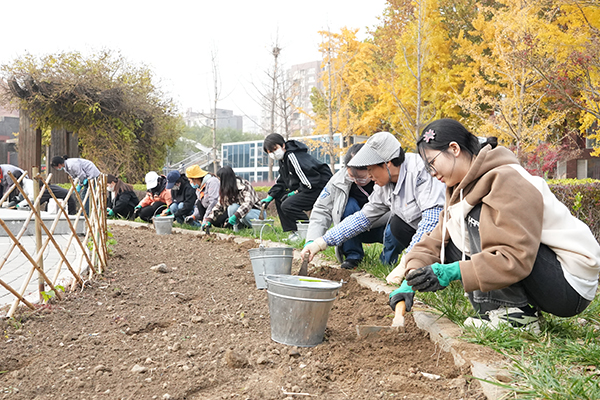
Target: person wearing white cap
{"type": "Point", "coordinates": [414, 198]}
{"type": "Point", "coordinates": [157, 197]}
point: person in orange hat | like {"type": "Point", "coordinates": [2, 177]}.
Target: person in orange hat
{"type": "Point", "coordinates": [207, 190]}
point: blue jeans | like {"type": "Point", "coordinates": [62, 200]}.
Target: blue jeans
{"type": "Point", "coordinates": [175, 207]}
{"type": "Point", "coordinates": [352, 248]}
{"type": "Point", "coordinates": [252, 214]}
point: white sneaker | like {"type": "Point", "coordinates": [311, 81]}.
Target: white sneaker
{"type": "Point", "coordinates": [294, 237]}
{"type": "Point", "coordinates": [506, 315]}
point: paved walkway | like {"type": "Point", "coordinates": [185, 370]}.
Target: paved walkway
{"type": "Point", "coordinates": [17, 267]}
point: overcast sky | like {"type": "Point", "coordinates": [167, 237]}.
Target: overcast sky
{"type": "Point", "coordinates": [175, 38]}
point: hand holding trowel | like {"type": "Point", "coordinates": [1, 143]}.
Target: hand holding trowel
{"type": "Point", "coordinates": [401, 301]}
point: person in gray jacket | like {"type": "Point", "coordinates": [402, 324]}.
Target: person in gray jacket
{"type": "Point", "coordinates": [207, 191]}
{"type": "Point", "coordinates": [346, 193]}
{"type": "Point", "coordinates": [80, 168]}
{"type": "Point", "coordinates": [413, 196]}
{"type": "Point", "coordinates": [6, 182]}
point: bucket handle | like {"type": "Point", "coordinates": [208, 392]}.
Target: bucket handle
{"type": "Point", "coordinates": [158, 209]}
{"type": "Point", "coordinates": [261, 232]}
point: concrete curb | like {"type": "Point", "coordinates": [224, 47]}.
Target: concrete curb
{"type": "Point", "coordinates": [483, 362]}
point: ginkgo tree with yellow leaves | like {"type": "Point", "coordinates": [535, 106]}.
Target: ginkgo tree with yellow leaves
{"type": "Point", "coordinates": [504, 95]}
{"type": "Point", "coordinates": [340, 107]}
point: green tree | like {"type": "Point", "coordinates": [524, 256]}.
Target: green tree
{"type": "Point", "coordinates": [124, 122]}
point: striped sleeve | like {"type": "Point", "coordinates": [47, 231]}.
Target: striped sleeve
{"type": "Point", "coordinates": [429, 220]}
{"type": "Point", "coordinates": [351, 226]}
{"type": "Point", "coordinates": [299, 171]}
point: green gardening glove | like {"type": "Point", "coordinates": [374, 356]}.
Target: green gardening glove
{"type": "Point", "coordinates": [404, 293]}
{"type": "Point", "coordinates": [111, 213]}
{"type": "Point", "coordinates": [85, 182]}
{"type": "Point", "coordinates": [232, 220]}
{"type": "Point", "coordinates": [267, 199]}
{"type": "Point", "coordinates": [434, 277]}
{"type": "Point", "coordinates": [290, 194]}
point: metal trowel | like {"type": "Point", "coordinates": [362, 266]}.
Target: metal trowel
{"type": "Point", "coordinates": [304, 267]}
{"type": "Point", "coordinates": [263, 212]}
{"type": "Point", "coordinates": [397, 324]}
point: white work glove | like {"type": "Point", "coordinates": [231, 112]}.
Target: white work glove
{"type": "Point", "coordinates": [397, 274]}
{"type": "Point", "coordinates": [313, 248]}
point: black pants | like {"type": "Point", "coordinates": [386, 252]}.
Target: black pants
{"type": "Point", "coordinates": [60, 193]}
{"type": "Point", "coordinates": [146, 213]}
{"type": "Point", "coordinates": [292, 209]}
{"type": "Point", "coordinates": [402, 231]}
{"type": "Point", "coordinates": [545, 287]}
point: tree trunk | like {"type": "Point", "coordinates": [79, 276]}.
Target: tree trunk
{"type": "Point", "coordinates": [30, 143]}
{"type": "Point", "coordinates": [62, 143]}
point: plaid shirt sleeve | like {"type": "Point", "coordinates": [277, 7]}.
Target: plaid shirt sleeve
{"type": "Point", "coordinates": [248, 198]}
{"type": "Point", "coordinates": [351, 226]}
{"type": "Point", "coordinates": [429, 220]}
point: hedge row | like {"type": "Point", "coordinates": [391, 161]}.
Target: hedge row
{"type": "Point", "coordinates": [582, 197]}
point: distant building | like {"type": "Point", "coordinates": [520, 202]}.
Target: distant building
{"type": "Point", "coordinates": [250, 162]}
{"type": "Point", "coordinates": [582, 167]}
{"type": "Point", "coordinates": [225, 119]}
{"type": "Point", "coordinates": [303, 78]}
{"type": "Point", "coordinates": [299, 82]}
{"type": "Point", "coordinates": [9, 129]}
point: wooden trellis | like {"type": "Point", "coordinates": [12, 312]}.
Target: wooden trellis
{"type": "Point", "coordinates": [93, 252]}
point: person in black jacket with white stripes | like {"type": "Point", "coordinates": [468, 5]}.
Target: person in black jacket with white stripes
{"type": "Point", "coordinates": [301, 179]}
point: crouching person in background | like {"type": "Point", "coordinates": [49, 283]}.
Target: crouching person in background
{"type": "Point", "coordinates": [157, 199]}
{"type": "Point", "coordinates": [121, 200]}
{"type": "Point", "coordinates": [183, 196]}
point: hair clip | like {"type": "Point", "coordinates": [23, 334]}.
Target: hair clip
{"type": "Point", "coordinates": [429, 135]}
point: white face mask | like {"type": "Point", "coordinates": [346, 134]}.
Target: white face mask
{"type": "Point", "coordinates": [110, 188]}
{"type": "Point", "coordinates": [277, 154]}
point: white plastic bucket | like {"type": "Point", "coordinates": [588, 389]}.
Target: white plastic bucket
{"type": "Point", "coordinates": [163, 225]}
{"type": "Point", "coordinates": [302, 228]}
{"type": "Point", "coordinates": [299, 308]}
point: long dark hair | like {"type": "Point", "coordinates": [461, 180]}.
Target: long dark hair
{"type": "Point", "coordinates": [440, 133]}
{"type": "Point", "coordinates": [120, 186]}
{"type": "Point", "coordinates": [228, 192]}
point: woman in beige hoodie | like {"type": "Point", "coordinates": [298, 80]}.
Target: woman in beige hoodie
{"type": "Point", "coordinates": [514, 246]}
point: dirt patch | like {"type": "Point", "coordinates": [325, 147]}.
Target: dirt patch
{"type": "Point", "coordinates": [202, 331]}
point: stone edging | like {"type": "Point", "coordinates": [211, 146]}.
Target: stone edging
{"type": "Point", "coordinates": [441, 330]}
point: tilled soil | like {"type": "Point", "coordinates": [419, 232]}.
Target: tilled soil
{"type": "Point", "coordinates": [201, 330]}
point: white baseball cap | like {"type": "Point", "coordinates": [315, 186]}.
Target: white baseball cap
{"type": "Point", "coordinates": [380, 148]}
{"type": "Point", "coordinates": [151, 180]}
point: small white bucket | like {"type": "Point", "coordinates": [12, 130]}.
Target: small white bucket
{"type": "Point", "coordinates": [163, 225]}
{"type": "Point", "coordinates": [302, 228]}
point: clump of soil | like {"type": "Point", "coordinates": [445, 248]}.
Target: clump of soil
{"type": "Point", "coordinates": [201, 330]}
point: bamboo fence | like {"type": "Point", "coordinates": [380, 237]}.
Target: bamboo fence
{"type": "Point", "coordinates": [92, 255]}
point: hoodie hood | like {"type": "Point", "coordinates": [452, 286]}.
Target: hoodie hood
{"type": "Point", "coordinates": [295, 146]}
{"type": "Point", "coordinates": [486, 160]}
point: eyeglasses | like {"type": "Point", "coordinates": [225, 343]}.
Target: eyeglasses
{"type": "Point", "coordinates": [429, 165]}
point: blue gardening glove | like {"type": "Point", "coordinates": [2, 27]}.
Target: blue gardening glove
{"type": "Point", "coordinates": [267, 199]}
{"type": "Point", "coordinates": [85, 182]}
{"type": "Point", "coordinates": [434, 277]}
{"type": "Point", "coordinates": [232, 220]}
{"type": "Point", "coordinates": [111, 213]}
{"type": "Point", "coordinates": [290, 194]}
{"type": "Point", "coordinates": [138, 207]}
{"type": "Point", "coordinates": [78, 188]}
{"type": "Point", "coordinates": [403, 293]}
